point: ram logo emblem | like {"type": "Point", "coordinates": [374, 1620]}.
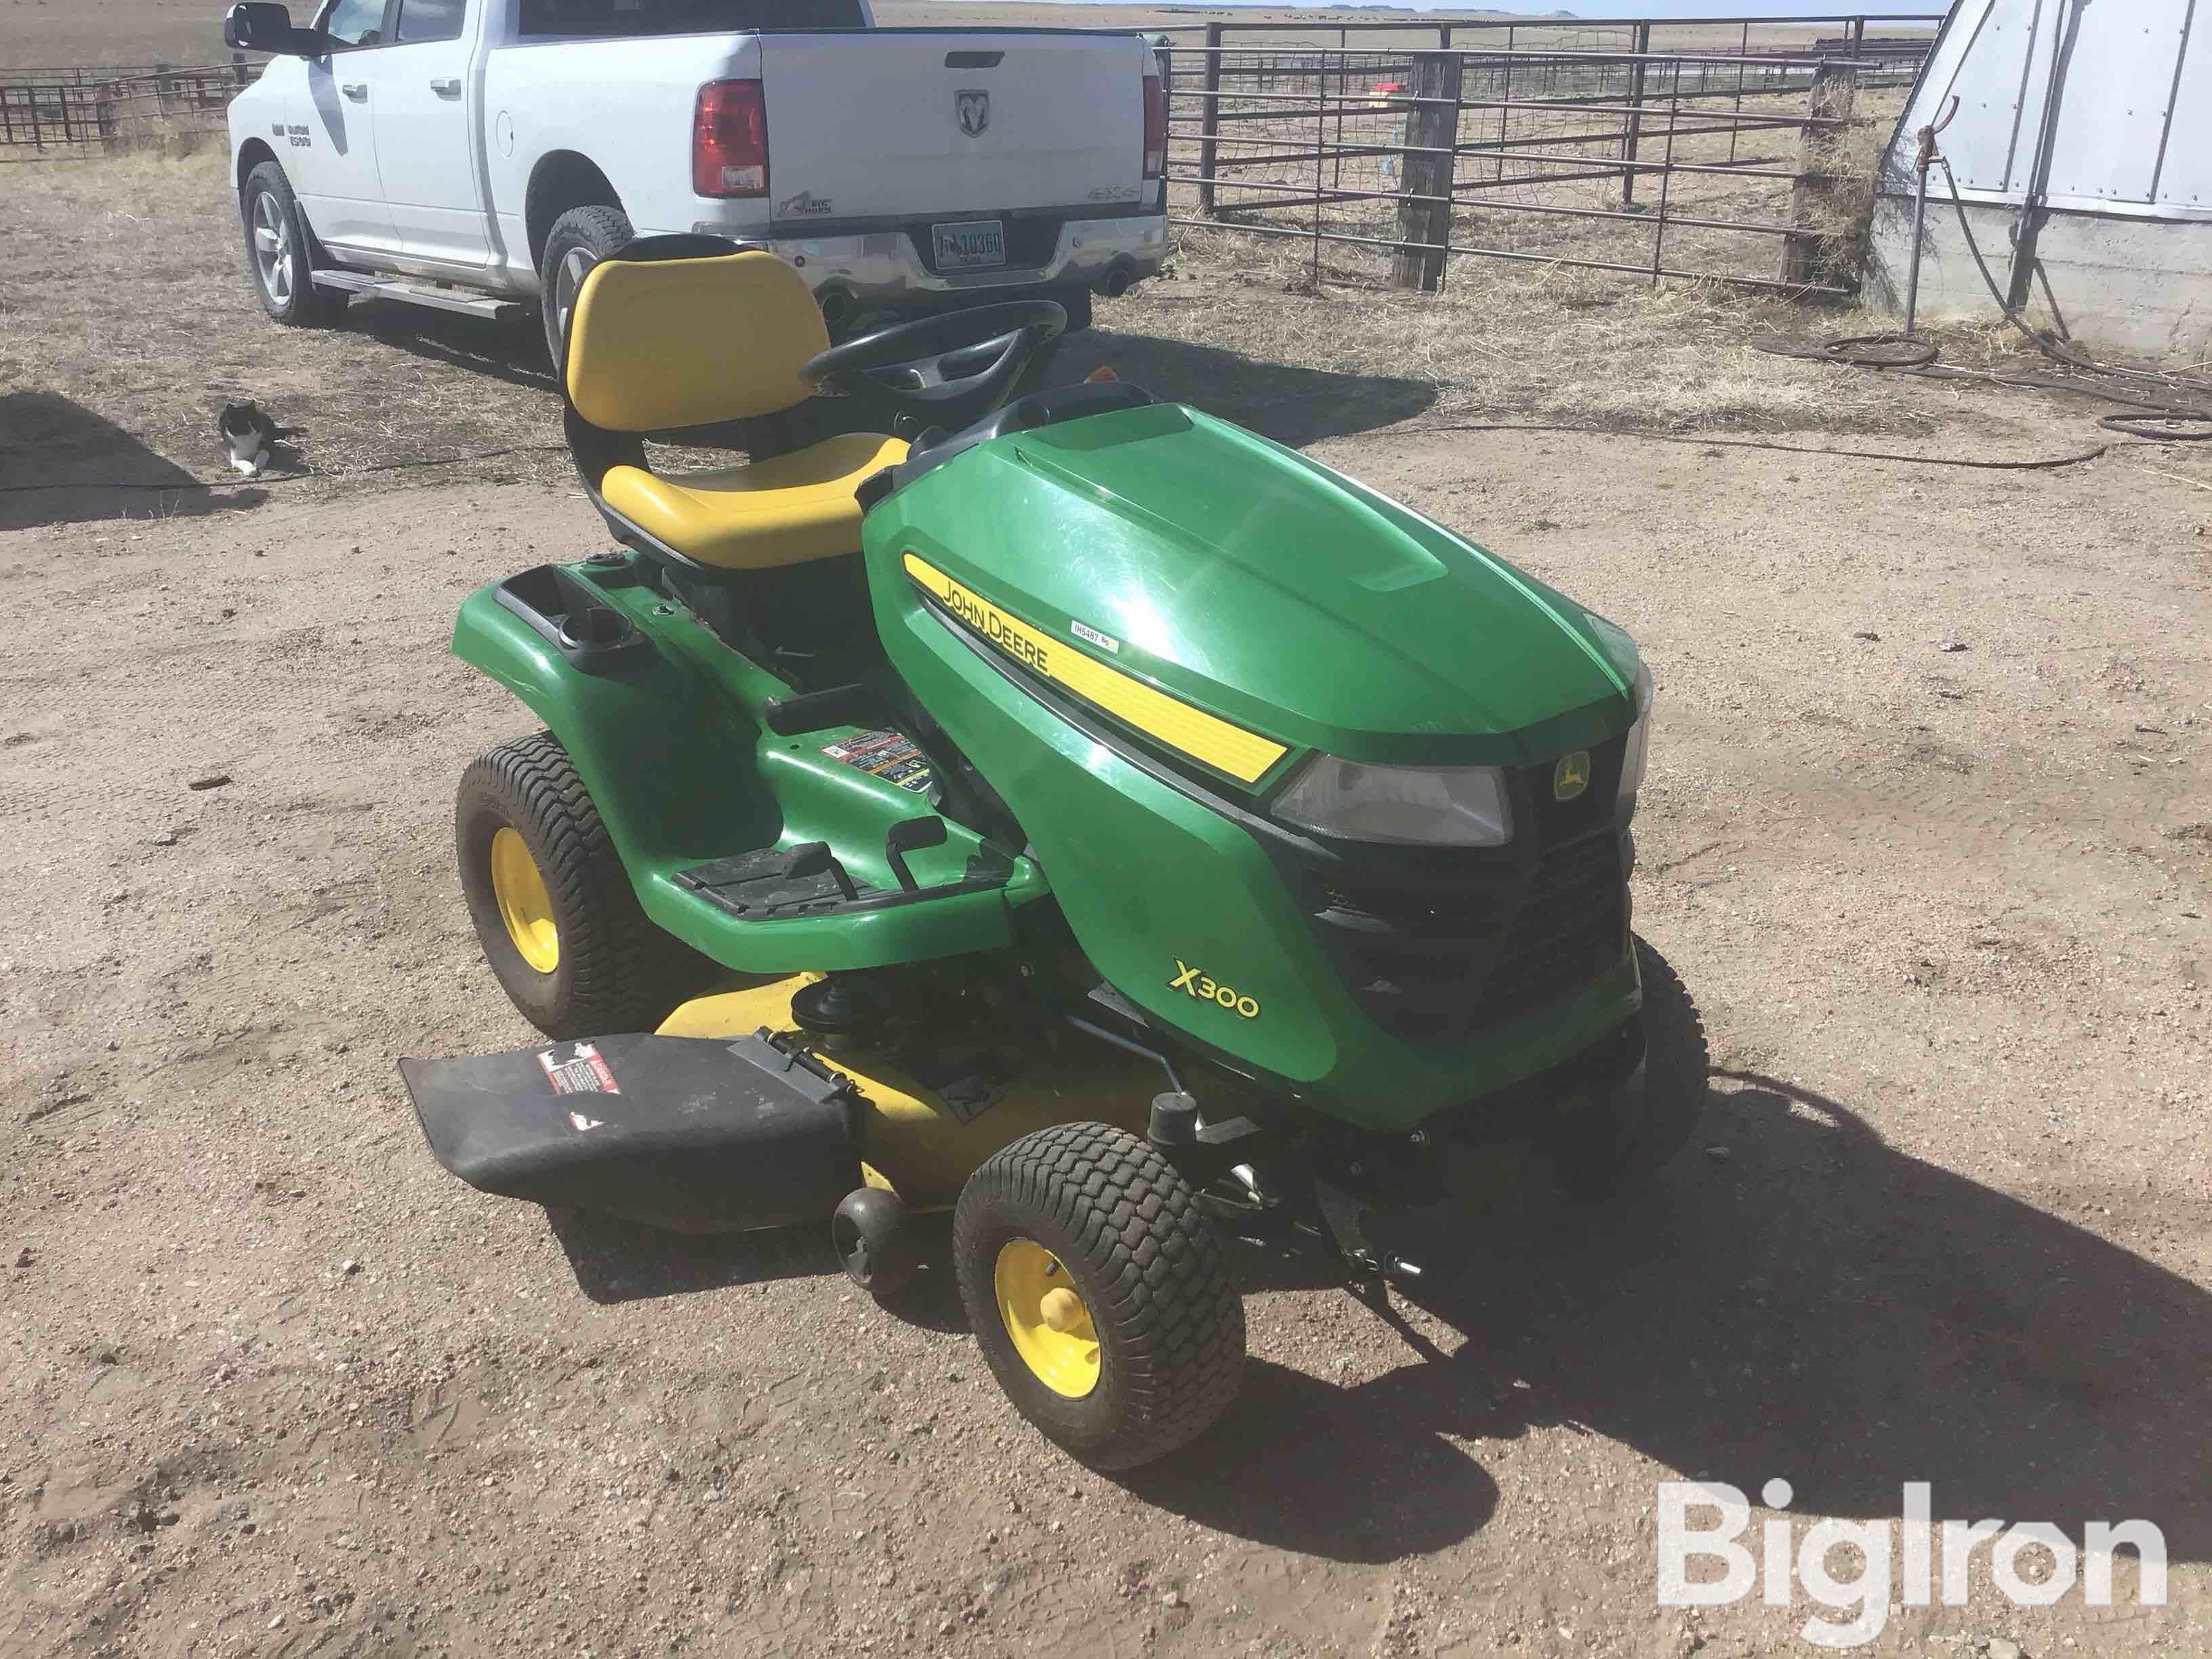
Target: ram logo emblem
{"type": "Point", "coordinates": [972, 107]}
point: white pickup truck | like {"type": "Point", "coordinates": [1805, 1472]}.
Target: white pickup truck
{"type": "Point", "coordinates": [479, 155]}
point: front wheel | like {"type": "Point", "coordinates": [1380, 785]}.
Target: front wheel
{"type": "Point", "coordinates": [1613, 1146]}
{"type": "Point", "coordinates": [1100, 1293]}
{"type": "Point", "coordinates": [278, 258]}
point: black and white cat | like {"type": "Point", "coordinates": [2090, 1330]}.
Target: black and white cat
{"type": "Point", "coordinates": [247, 433]}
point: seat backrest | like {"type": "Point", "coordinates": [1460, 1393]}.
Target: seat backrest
{"type": "Point", "coordinates": [655, 344]}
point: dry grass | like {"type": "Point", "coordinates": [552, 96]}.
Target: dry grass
{"type": "Point", "coordinates": [126, 321]}
{"type": "Point", "coordinates": [1513, 342]}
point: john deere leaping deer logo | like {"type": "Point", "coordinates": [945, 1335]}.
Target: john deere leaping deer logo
{"type": "Point", "coordinates": [971, 106]}
{"type": "Point", "coordinates": [1571, 775]}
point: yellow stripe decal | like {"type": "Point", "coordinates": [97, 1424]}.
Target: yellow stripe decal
{"type": "Point", "coordinates": [1229, 749]}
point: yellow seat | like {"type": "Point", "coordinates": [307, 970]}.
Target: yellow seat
{"type": "Point", "coordinates": [668, 334]}
{"type": "Point", "coordinates": [784, 511]}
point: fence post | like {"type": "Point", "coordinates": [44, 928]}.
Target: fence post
{"type": "Point", "coordinates": [1641, 43]}
{"type": "Point", "coordinates": [238, 67]}
{"type": "Point", "coordinates": [1431, 139]}
{"type": "Point", "coordinates": [1833, 85]}
{"type": "Point", "coordinates": [1343, 70]}
{"type": "Point", "coordinates": [1209, 120]}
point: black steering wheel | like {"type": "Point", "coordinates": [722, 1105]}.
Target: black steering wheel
{"type": "Point", "coordinates": [946, 370]}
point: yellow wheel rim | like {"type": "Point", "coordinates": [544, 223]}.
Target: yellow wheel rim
{"type": "Point", "coordinates": [1047, 1317]}
{"type": "Point", "coordinates": [519, 892]}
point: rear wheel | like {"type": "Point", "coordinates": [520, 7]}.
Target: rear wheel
{"type": "Point", "coordinates": [579, 238]}
{"type": "Point", "coordinates": [1100, 1293]}
{"type": "Point", "coordinates": [553, 906]}
{"type": "Point", "coordinates": [279, 260]}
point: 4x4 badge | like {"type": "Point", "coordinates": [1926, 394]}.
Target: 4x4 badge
{"type": "Point", "coordinates": [1571, 775]}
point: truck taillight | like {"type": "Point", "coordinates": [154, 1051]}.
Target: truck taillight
{"type": "Point", "coordinates": [729, 140]}
{"type": "Point", "coordinates": [1156, 127]}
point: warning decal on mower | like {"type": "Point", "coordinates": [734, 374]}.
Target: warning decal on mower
{"type": "Point", "coordinates": [579, 1072]}
{"type": "Point", "coordinates": [886, 754]}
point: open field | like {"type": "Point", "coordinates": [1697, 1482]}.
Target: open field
{"type": "Point", "coordinates": [270, 1382]}
{"type": "Point", "coordinates": [47, 33]}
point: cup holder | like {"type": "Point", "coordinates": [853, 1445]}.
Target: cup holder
{"type": "Point", "coordinates": [595, 627]}
{"type": "Point", "coordinates": [573, 617]}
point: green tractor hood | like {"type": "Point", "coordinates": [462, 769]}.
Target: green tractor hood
{"type": "Point", "coordinates": [1237, 576]}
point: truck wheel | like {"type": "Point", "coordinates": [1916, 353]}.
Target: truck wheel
{"type": "Point", "coordinates": [579, 238]}
{"type": "Point", "coordinates": [1100, 1293]}
{"type": "Point", "coordinates": [279, 261]}
{"type": "Point", "coordinates": [1616, 1148]}
{"type": "Point", "coordinates": [553, 907]}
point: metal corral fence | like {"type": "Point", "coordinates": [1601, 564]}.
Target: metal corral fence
{"type": "Point", "coordinates": [75, 111]}
{"type": "Point", "coordinates": [1680, 148]}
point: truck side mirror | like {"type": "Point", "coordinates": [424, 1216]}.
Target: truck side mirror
{"type": "Point", "coordinates": [255, 26]}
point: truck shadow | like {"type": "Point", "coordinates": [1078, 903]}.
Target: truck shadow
{"type": "Point", "coordinates": [512, 353]}
{"type": "Point", "coordinates": [1819, 1307]}
{"type": "Point", "coordinates": [1291, 405]}
{"type": "Point", "coordinates": [62, 462]}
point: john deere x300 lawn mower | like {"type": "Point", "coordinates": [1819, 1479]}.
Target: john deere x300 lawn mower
{"type": "Point", "coordinates": [1074, 811]}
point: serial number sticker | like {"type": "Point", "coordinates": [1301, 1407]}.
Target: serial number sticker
{"type": "Point", "coordinates": [890, 755]}
{"type": "Point", "coordinates": [582, 1071]}
{"type": "Point", "coordinates": [1086, 631]}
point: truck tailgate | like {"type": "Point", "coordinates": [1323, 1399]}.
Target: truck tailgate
{"type": "Point", "coordinates": [899, 123]}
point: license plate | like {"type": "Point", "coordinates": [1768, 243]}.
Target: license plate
{"type": "Point", "coordinates": [964, 248]}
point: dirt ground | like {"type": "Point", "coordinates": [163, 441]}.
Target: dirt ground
{"type": "Point", "coordinates": [1929, 834]}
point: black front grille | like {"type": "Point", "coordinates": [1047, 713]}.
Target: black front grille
{"type": "Point", "coordinates": [1572, 925]}
{"type": "Point", "coordinates": [1438, 947]}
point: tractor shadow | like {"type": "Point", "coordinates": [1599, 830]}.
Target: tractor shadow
{"type": "Point", "coordinates": [1819, 1306]}
{"type": "Point", "coordinates": [615, 1260]}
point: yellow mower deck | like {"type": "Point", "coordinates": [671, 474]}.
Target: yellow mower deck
{"type": "Point", "coordinates": [911, 1141]}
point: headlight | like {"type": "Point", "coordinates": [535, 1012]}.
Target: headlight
{"type": "Point", "coordinates": [1408, 806]}
{"type": "Point", "coordinates": [1639, 740]}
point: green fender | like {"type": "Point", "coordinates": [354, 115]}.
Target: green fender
{"type": "Point", "coordinates": [683, 773]}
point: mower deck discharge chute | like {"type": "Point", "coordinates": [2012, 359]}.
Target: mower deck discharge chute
{"type": "Point", "coordinates": [683, 1133]}
{"type": "Point", "coordinates": [1082, 813]}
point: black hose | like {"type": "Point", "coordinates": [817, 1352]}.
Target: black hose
{"type": "Point", "coordinates": [2038, 464]}
{"type": "Point", "coordinates": [2160, 421]}
{"type": "Point", "coordinates": [1877, 351]}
